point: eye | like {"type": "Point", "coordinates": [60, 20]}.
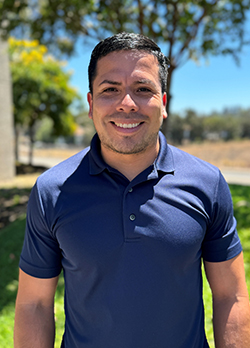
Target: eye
{"type": "Point", "coordinates": [144, 89]}
{"type": "Point", "coordinates": [110, 90]}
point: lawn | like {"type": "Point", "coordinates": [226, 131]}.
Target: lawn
{"type": "Point", "coordinates": [11, 238]}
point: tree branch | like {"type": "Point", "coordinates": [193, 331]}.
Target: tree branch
{"type": "Point", "coordinates": [192, 35]}
{"type": "Point", "coordinates": [140, 16]}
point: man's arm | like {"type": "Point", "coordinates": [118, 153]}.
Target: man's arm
{"type": "Point", "coordinates": [231, 310]}
{"type": "Point", "coordinates": [34, 316]}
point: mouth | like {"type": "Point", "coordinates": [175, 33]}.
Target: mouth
{"type": "Point", "coordinates": [127, 125]}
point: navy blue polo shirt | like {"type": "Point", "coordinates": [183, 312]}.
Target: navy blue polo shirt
{"type": "Point", "coordinates": [130, 251]}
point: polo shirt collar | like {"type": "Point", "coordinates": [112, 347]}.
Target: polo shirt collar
{"type": "Point", "coordinates": [164, 161]}
{"type": "Point", "coordinates": [96, 162]}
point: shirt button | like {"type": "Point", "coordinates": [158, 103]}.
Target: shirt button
{"type": "Point", "coordinates": [132, 217]}
{"type": "Point", "coordinates": [131, 189]}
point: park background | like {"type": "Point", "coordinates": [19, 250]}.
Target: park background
{"type": "Point", "coordinates": [209, 114]}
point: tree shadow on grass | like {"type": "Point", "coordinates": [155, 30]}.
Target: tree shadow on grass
{"type": "Point", "coordinates": [11, 242]}
{"type": "Point", "coordinates": [13, 200]}
{"type": "Point", "coordinates": [13, 205]}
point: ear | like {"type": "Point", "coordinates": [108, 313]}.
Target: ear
{"type": "Point", "coordinates": [164, 103]}
{"type": "Point", "coordinates": [90, 102]}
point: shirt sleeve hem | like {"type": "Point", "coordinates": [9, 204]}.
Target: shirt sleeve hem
{"type": "Point", "coordinates": [220, 255]}
{"type": "Point", "coordinates": [38, 272]}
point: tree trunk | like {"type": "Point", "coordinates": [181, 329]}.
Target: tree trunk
{"type": "Point", "coordinates": [17, 133]}
{"type": "Point", "coordinates": [164, 127]}
{"type": "Point", "coordinates": [31, 149]}
{"type": "Point", "coordinates": [7, 159]}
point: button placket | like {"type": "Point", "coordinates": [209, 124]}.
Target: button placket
{"type": "Point", "coordinates": [129, 214]}
{"type": "Point", "coordinates": [132, 216]}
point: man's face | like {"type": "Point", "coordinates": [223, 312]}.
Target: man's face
{"type": "Point", "coordinates": [127, 105]}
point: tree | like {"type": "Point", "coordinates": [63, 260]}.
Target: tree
{"type": "Point", "coordinates": [7, 163]}
{"type": "Point", "coordinates": [40, 89]}
{"type": "Point", "coordinates": [226, 126]}
{"type": "Point", "coordinates": [86, 123]}
{"type": "Point", "coordinates": [186, 29]}
{"type": "Point", "coordinates": [245, 123]}
{"type": "Point", "coordinates": [193, 125]}
{"type": "Point", "coordinates": [177, 129]}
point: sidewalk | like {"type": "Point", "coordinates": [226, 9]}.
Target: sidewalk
{"type": "Point", "coordinates": [239, 176]}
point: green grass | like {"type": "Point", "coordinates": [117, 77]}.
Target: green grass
{"type": "Point", "coordinates": [11, 239]}
{"type": "Point", "coordinates": [241, 201]}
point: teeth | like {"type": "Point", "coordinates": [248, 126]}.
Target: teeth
{"type": "Point", "coordinates": [125, 125]}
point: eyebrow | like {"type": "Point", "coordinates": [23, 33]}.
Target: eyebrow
{"type": "Point", "coordinates": [116, 83]}
{"type": "Point", "coordinates": [110, 82]}
{"type": "Point", "coordinates": [145, 81]}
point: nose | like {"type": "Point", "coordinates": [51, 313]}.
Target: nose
{"type": "Point", "coordinates": [127, 104]}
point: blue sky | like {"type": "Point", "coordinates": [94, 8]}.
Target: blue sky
{"type": "Point", "coordinates": [211, 86]}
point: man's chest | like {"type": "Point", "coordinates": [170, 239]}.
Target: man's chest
{"type": "Point", "coordinates": [96, 224]}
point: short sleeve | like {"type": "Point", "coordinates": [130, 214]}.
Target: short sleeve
{"type": "Point", "coordinates": [41, 255]}
{"type": "Point", "coordinates": [221, 242]}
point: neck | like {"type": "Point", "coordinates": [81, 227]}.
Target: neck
{"type": "Point", "coordinates": [130, 165]}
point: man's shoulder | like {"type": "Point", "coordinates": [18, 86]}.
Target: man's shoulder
{"type": "Point", "coordinates": [191, 166]}
{"type": "Point", "coordinates": [190, 159]}
{"type": "Point", "coordinates": [61, 172]}
{"type": "Point", "coordinates": [184, 163]}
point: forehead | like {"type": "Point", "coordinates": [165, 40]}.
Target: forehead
{"type": "Point", "coordinates": [128, 63]}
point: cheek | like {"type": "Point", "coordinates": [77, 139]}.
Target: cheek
{"type": "Point", "coordinates": [102, 105]}
{"type": "Point", "coordinates": [98, 118]}
{"type": "Point", "coordinates": [155, 109]}
{"type": "Point", "coordinates": [155, 102]}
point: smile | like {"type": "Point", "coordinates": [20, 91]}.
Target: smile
{"type": "Point", "coordinates": [127, 125]}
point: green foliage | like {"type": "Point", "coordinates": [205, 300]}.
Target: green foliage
{"type": "Point", "coordinates": [176, 128]}
{"type": "Point", "coordinates": [244, 121]}
{"type": "Point", "coordinates": [190, 29]}
{"type": "Point", "coordinates": [41, 88]}
{"type": "Point", "coordinates": [194, 125]}
{"type": "Point", "coordinates": [241, 200]}
{"type": "Point", "coordinates": [228, 125]}
{"type": "Point", "coordinates": [218, 25]}
{"type": "Point", "coordinates": [86, 123]}
{"type": "Point", "coordinates": [44, 132]}
{"type": "Point", "coordinates": [186, 29]}
{"type": "Point", "coordinates": [12, 15]}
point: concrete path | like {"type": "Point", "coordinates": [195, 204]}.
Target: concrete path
{"type": "Point", "coordinates": [237, 176]}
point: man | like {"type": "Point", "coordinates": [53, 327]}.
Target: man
{"type": "Point", "coordinates": [129, 221]}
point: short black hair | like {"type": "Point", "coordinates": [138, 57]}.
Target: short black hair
{"type": "Point", "coordinates": [128, 41]}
